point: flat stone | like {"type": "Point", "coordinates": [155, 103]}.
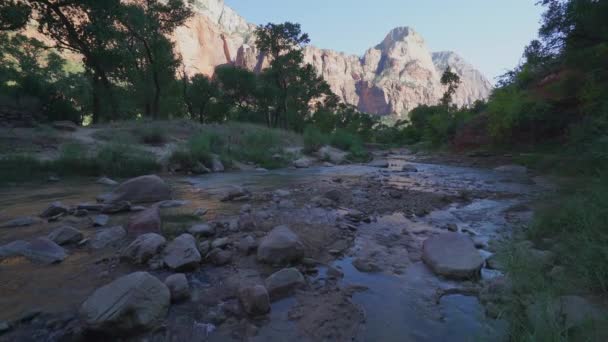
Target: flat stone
{"type": "Point", "coordinates": [173, 204]}
{"type": "Point", "coordinates": [144, 189]}
{"type": "Point", "coordinates": [21, 222]}
{"type": "Point", "coordinates": [147, 221]}
{"type": "Point", "coordinates": [107, 236]}
{"type": "Point", "coordinates": [220, 243]}
{"type": "Point", "coordinates": [182, 253]}
{"type": "Point", "coordinates": [14, 248]}
{"type": "Point", "coordinates": [65, 235]}
{"type": "Point", "coordinates": [235, 193]}
{"type": "Point", "coordinates": [44, 251]}
{"type": "Point", "coordinates": [100, 220]}
{"type": "Point", "coordinates": [131, 304]}
{"type": "Point", "coordinates": [283, 282]}
{"type": "Point", "coordinates": [178, 286]}
{"type": "Point", "coordinates": [56, 208]}
{"type": "Point", "coordinates": [144, 248]}
{"type": "Point", "coordinates": [220, 257]}
{"type": "Point", "coordinates": [280, 246]}
{"type": "Point", "coordinates": [452, 255]}
{"type": "Point", "coordinates": [379, 163]}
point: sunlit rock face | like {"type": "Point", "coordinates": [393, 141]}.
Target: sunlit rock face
{"type": "Point", "coordinates": [393, 77]}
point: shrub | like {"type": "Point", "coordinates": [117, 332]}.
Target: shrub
{"type": "Point", "coordinates": [314, 139]}
{"type": "Point", "coordinates": [345, 140]}
{"type": "Point", "coordinates": [18, 168]}
{"type": "Point", "coordinates": [152, 134]}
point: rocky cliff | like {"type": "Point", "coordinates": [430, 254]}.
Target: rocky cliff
{"type": "Point", "coordinates": [393, 77]}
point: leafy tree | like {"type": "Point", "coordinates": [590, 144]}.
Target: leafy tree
{"type": "Point", "coordinates": [199, 91]}
{"type": "Point", "coordinates": [452, 81]}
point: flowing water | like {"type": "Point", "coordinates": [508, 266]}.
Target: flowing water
{"type": "Point", "coordinates": [402, 301]}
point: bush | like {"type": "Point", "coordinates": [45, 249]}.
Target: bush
{"type": "Point", "coordinates": [314, 139]}
{"type": "Point", "coordinates": [19, 168]}
{"type": "Point", "coordinates": [152, 135]}
{"type": "Point", "coordinates": [345, 140]}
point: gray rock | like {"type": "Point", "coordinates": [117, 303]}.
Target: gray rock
{"type": "Point", "coordinates": [182, 253]}
{"type": "Point", "coordinates": [201, 212]}
{"type": "Point", "coordinates": [452, 255]}
{"type": "Point", "coordinates": [247, 245]}
{"type": "Point", "coordinates": [204, 230]}
{"type": "Point", "coordinates": [334, 195]}
{"type": "Point", "coordinates": [366, 266]}
{"type": "Point", "coordinates": [220, 257]}
{"type": "Point", "coordinates": [56, 208]}
{"type": "Point", "coordinates": [21, 222]}
{"type": "Point", "coordinates": [130, 304]}
{"type": "Point", "coordinates": [65, 126]}
{"type": "Point", "coordinates": [247, 222]}
{"type": "Point", "coordinates": [178, 286]}
{"type": "Point", "coordinates": [331, 154]}
{"type": "Point", "coordinates": [234, 193]}
{"type": "Point", "coordinates": [172, 204]}
{"type": "Point", "coordinates": [204, 247]}
{"type": "Point", "coordinates": [255, 300]}
{"type": "Point", "coordinates": [107, 181]}
{"type": "Point", "coordinates": [200, 169]}
{"type": "Point", "coordinates": [65, 235]}
{"type": "Point", "coordinates": [379, 163]}
{"type": "Point", "coordinates": [100, 220]}
{"type": "Point", "coordinates": [44, 251]}
{"type": "Point", "coordinates": [105, 237]}
{"type": "Point", "coordinates": [144, 248]}
{"type": "Point", "coordinates": [283, 282]}
{"type": "Point", "coordinates": [302, 163]}
{"type": "Point", "coordinates": [408, 168]}
{"type": "Point", "coordinates": [144, 189]}
{"type": "Point", "coordinates": [220, 243]}
{"type": "Point", "coordinates": [282, 193]}
{"type": "Point", "coordinates": [116, 207]}
{"type": "Point", "coordinates": [280, 246]}
{"type": "Point", "coordinates": [14, 248]}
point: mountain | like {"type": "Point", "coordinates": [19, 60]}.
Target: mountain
{"type": "Point", "coordinates": [393, 77]}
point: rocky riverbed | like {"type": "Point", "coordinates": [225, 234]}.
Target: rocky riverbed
{"type": "Point", "coordinates": [393, 251]}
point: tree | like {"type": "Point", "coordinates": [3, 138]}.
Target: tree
{"type": "Point", "coordinates": [198, 94]}
{"type": "Point", "coordinates": [452, 81]}
{"type": "Point", "coordinates": [152, 63]}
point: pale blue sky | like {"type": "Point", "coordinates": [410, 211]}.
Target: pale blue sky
{"type": "Point", "coordinates": [490, 34]}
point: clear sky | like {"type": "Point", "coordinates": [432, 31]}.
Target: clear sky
{"type": "Point", "coordinates": [490, 34]}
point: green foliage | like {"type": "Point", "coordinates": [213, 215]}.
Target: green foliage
{"type": "Point", "coordinates": [314, 139]}
{"type": "Point", "coordinates": [152, 134]}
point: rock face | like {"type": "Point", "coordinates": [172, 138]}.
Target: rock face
{"type": "Point", "coordinates": [142, 189]}
{"type": "Point", "coordinates": [452, 255]}
{"type": "Point", "coordinates": [129, 304]}
{"type": "Point", "coordinates": [393, 77]}
{"type": "Point", "coordinates": [280, 246]}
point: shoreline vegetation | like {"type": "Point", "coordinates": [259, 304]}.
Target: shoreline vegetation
{"type": "Point", "coordinates": [550, 113]}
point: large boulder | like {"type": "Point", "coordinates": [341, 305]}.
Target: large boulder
{"type": "Point", "coordinates": [54, 209]}
{"type": "Point", "coordinates": [283, 282]}
{"type": "Point", "coordinates": [65, 235]}
{"type": "Point", "coordinates": [302, 163]}
{"type": "Point", "coordinates": [182, 253]}
{"type": "Point", "coordinates": [255, 300]}
{"type": "Point", "coordinates": [146, 221]}
{"type": "Point", "coordinates": [280, 246]}
{"type": "Point", "coordinates": [130, 304]}
{"type": "Point", "coordinates": [107, 236]}
{"type": "Point", "coordinates": [144, 248]}
{"type": "Point", "coordinates": [452, 255]}
{"type": "Point", "coordinates": [144, 189]}
{"type": "Point", "coordinates": [331, 154]}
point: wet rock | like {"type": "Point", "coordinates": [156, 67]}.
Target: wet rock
{"type": "Point", "coordinates": [331, 154]}
{"type": "Point", "coordinates": [235, 193]}
{"type": "Point", "coordinates": [255, 300]}
{"type": "Point", "coordinates": [379, 163]}
{"type": "Point", "coordinates": [21, 222]}
{"type": "Point", "coordinates": [107, 181]}
{"type": "Point", "coordinates": [283, 282]}
{"type": "Point", "coordinates": [452, 255]}
{"type": "Point", "coordinates": [204, 230]}
{"type": "Point", "coordinates": [453, 227]}
{"type": "Point", "coordinates": [178, 286]}
{"type": "Point", "coordinates": [108, 236]}
{"type": "Point", "coordinates": [147, 221]}
{"type": "Point", "coordinates": [201, 212]}
{"type": "Point", "coordinates": [323, 202]}
{"type": "Point", "coordinates": [172, 204]}
{"type": "Point", "coordinates": [333, 272]}
{"type": "Point", "coordinates": [204, 247]}
{"type": "Point", "coordinates": [366, 266]}
{"type": "Point", "coordinates": [65, 235]}
{"type": "Point", "coordinates": [220, 257]}
{"type": "Point", "coordinates": [130, 304]}
{"type": "Point", "coordinates": [142, 189]}
{"type": "Point", "coordinates": [65, 126]}
{"type": "Point", "coordinates": [334, 195]}
{"type": "Point", "coordinates": [56, 208]}
{"type": "Point", "coordinates": [216, 164]}
{"type": "Point", "coordinates": [515, 169]}
{"type": "Point", "coordinates": [144, 248]}
{"type": "Point", "coordinates": [100, 220]}
{"type": "Point", "coordinates": [116, 207]}
{"type": "Point", "coordinates": [89, 207]}
{"type": "Point", "coordinates": [182, 253]}
{"type": "Point", "coordinates": [354, 215]}
{"type": "Point", "coordinates": [280, 246]}
{"type": "Point", "coordinates": [247, 245]}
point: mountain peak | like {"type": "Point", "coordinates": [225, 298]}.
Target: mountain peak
{"type": "Point", "coordinates": [399, 35]}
